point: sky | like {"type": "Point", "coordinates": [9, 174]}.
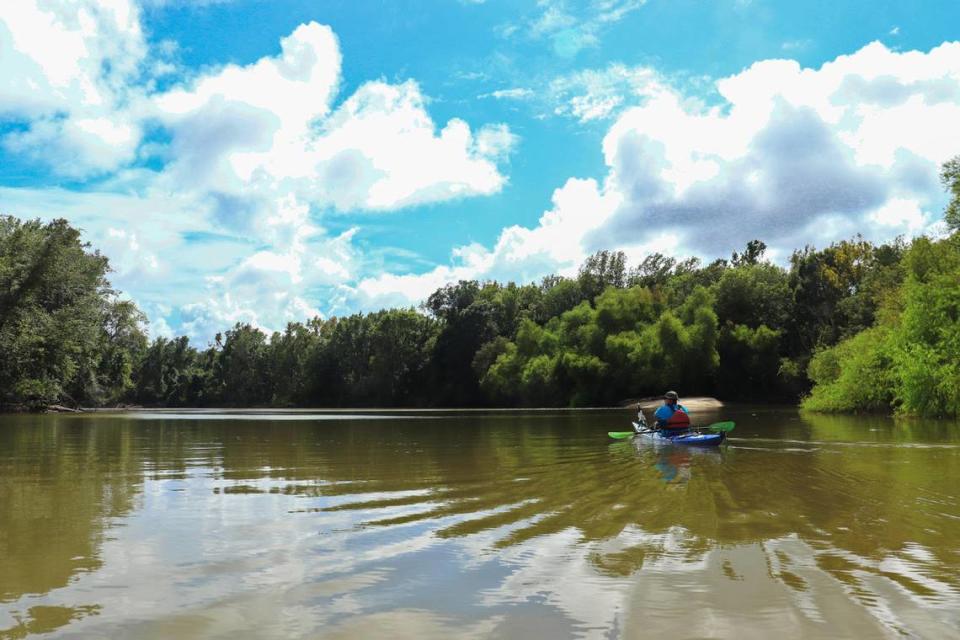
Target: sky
{"type": "Point", "coordinates": [270, 161]}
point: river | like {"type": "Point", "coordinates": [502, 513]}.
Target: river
{"type": "Point", "coordinates": [506, 524]}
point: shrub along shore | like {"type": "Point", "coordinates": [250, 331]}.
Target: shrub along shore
{"type": "Point", "coordinates": [851, 327]}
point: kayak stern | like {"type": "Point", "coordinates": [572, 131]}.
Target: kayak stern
{"type": "Point", "coordinates": [692, 439]}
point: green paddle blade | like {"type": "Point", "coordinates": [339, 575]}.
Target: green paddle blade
{"type": "Point", "coordinates": [725, 427]}
{"type": "Point", "coordinates": [621, 435]}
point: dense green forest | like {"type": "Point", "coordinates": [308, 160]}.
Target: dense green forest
{"type": "Point", "coordinates": [853, 326]}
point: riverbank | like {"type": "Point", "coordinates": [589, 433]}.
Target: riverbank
{"type": "Point", "coordinates": [52, 408]}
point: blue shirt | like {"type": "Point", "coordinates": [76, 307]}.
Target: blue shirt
{"type": "Point", "coordinates": [666, 411]}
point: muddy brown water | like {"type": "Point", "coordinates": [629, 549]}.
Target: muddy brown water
{"type": "Point", "coordinates": [475, 525]}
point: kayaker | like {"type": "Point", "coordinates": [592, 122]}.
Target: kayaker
{"type": "Point", "coordinates": [672, 415]}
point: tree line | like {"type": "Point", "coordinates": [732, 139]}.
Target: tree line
{"type": "Point", "coordinates": [853, 326]}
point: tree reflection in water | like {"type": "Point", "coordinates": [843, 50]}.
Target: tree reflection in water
{"type": "Point", "coordinates": [826, 509]}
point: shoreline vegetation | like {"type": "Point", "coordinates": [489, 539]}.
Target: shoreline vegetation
{"type": "Point", "coordinates": [853, 327]}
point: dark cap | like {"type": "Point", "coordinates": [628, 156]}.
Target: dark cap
{"type": "Point", "coordinates": [671, 395]}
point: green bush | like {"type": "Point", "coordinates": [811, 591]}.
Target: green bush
{"type": "Point", "coordinates": [911, 360]}
{"type": "Point", "coordinates": [855, 375]}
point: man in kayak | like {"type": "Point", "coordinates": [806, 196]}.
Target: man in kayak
{"type": "Point", "coordinates": [672, 416]}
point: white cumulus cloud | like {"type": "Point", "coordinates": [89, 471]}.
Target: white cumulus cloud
{"type": "Point", "coordinates": [271, 127]}
{"type": "Point", "coordinates": [251, 158]}
{"type": "Point", "coordinates": [68, 73]}
{"type": "Point", "coordinates": [791, 156]}
{"type": "Point", "coordinates": [791, 150]}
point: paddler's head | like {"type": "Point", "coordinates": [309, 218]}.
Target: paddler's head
{"type": "Point", "coordinates": [670, 397]}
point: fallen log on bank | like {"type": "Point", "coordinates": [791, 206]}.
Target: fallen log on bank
{"type": "Point", "coordinates": [59, 408]}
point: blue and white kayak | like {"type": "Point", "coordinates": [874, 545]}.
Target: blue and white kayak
{"type": "Point", "coordinates": [690, 438]}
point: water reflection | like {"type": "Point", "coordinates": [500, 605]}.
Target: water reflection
{"type": "Point", "coordinates": [672, 461]}
{"type": "Point", "coordinates": [61, 485]}
{"type": "Point", "coordinates": [490, 525]}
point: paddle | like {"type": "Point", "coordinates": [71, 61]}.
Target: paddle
{"type": "Point", "coordinates": [716, 427]}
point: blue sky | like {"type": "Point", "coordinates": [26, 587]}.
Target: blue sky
{"type": "Point", "coordinates": [266, 161]}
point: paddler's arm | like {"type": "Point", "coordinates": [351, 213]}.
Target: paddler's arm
{"type": "Point", "coordinates": [662, 414]}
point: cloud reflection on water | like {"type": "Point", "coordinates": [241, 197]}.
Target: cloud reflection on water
{"type": "Point", "coordinates": [493, 526]}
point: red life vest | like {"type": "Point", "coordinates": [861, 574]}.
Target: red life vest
{"type": "Point", "coordinates": [679, 420]}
